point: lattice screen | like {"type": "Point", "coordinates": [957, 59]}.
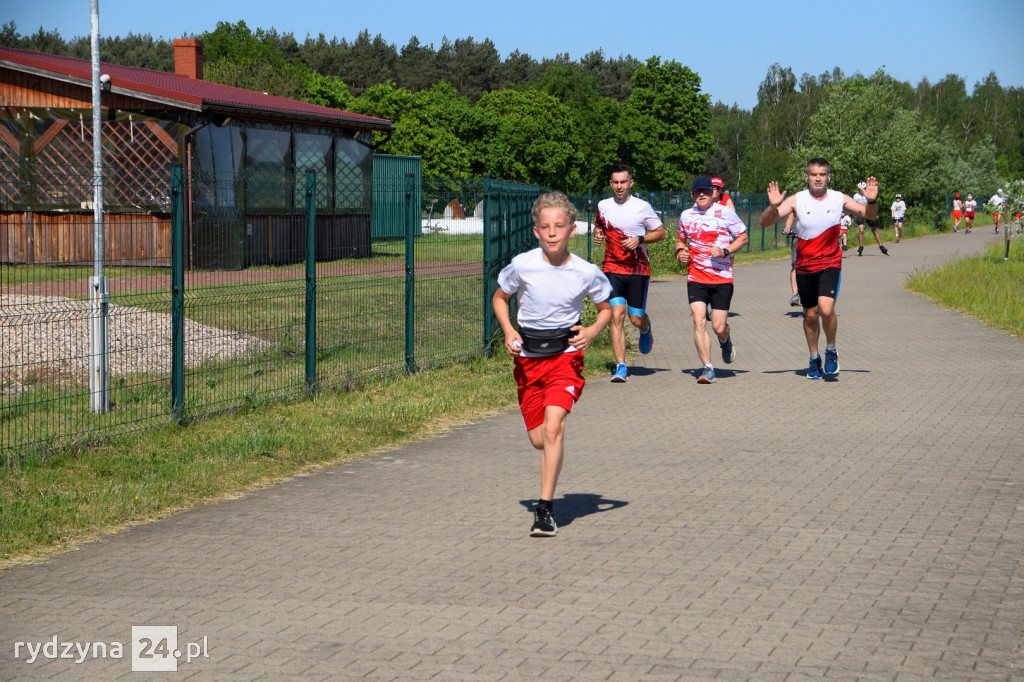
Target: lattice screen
{"type": "Point", "coordinates": [136, 155]}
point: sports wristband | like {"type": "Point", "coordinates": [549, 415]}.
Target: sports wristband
{"type": "Point", "coordinates": [725, 253]}
{"type": "Point", "coordinates": [873, 202]}
{"type": "Point", "coordinates": [641, 238]}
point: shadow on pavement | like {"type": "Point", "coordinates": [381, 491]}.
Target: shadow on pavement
{"type": "Point", "coordinates": [576, 505]}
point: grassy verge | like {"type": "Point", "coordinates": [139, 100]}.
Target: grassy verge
{"type": "Point", "coordinates": [984, 287]}
{"type": "Point", "coordinates": [52, 503]}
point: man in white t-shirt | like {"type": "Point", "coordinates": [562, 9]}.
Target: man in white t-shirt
{"type": "Point", "coordinates": [625, 224]}
{"type": "Point", "coordinates": [996, 203]}
{"type": "Point", "coordinates": [898, 210]}
{"type": "Point", "coordinates": [819, 259]}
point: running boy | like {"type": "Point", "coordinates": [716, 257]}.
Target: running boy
{"type": "Point", "coordinates": [550, 284]}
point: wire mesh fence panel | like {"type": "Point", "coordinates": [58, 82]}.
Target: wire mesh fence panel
{"type": "Point", "coordinates": [221, 266]}
{"type": "Point", "coordinates": [47, 247]}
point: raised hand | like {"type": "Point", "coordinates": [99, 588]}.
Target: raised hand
{"type": "Point", "coordinates": [871, 191]}
{"type": "Point", "coordinates": [775, 197]}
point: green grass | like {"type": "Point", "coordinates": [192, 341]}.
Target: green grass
{"type": "Point", "coordinates": [984, 287]}
{"type": "Point", "coordinates": [55, 498]}
{"type": "Point", "coordinates": [51, 503]}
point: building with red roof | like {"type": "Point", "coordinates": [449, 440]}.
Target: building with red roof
{"type": "Point", "coordinates": [245, 155]}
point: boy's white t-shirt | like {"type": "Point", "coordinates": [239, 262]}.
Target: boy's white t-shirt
{"type": "Point", "coordinates": [551, 297]}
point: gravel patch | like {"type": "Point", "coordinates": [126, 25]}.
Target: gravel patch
{"type": "Point", "coordinates": [44, 340]}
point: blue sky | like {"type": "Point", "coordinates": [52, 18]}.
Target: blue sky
{"type": "Point", "coordinates": [911, 39]}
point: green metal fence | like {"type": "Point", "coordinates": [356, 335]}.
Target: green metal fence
{"type": "Point", "coordinates": [226, 291]}
{"type": "Point", "coordinates": [216, 303]}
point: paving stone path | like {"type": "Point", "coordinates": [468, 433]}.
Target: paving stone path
{"type": "Point", "coordinates": [764, 527]}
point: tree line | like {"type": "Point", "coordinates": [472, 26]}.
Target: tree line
{"type": "Point", "coordinates": [561, 123]}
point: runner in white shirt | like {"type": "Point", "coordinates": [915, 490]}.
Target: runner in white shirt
{"type": "Point", "coordinates": [970, 206]}
{"type": "Point", "coordinates": [844, 227]}
{"type": "Point", "coordinates": [550, 285]}
{"type": "Point", "coordinates": [958, 213]}
{"type": "Point", "coordinates": [709, 234]}
{"type": "Point", "coordinates": [996, 203]}
{"type": "Point", "coordinates": [898, 210]}
{"type": "Point", "coordinates": [819, 259]}
{"type": "Point", "coordinates": [625, 224]}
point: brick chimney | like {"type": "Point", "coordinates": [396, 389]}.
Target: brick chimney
{"type": "Point", "coordinates": [188, 58]}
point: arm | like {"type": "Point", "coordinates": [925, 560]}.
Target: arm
{"type": "Point", "coordinates": [586, 335]}
{"type": "Point", "coordinates": [682, 248]}
{"type": "Point", "coordinates": [788, 228]}
{"type": "Point", "coordinates": [779, 205]}
{"type": "Point", "coordinates": [733, 248]}
{"type": "Point", "coordinates": [655, 235]}
{"type": "Point", "coordinates": [501, 311]}
{"type": "Point", "coordinates": [599, 229]}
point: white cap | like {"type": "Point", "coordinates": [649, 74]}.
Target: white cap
{"type": "Point", "coordinates": [862, 185]}
{"type": "Point", "coordinates": [999, 191]}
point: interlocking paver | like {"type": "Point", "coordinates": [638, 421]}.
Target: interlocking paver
{"type": "Point", "coordinates": [766, 527]}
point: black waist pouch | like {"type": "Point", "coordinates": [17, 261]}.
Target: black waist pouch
{"type": "Point", "coordinates": [546, 341]}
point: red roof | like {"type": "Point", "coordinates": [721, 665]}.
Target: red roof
{"type": "Point", "coordinates": [179, 91]}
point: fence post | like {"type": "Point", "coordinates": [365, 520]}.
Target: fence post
{"type": "Point", "coordinates": [590, 229]}
{"type": "Point", "coordinates": [410, 276]}
{"type": "Point", "coordinates": [310, 281]}
{"type": "Point", "coordinates": [177, 293]}
{"type": "Point", "coordinates": [488, 308]}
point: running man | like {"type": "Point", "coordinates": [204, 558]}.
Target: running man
{"type": "Point", "coordinates": [819, 259]}
{"type": "Point", "coordinates": [708, 234]}
{"type": "Point", "coordinates": [996, 202]}
{"type": "Point", "coordinates": [862, 200]}
{"type": "Point", "coordinates": [844, 227]}
{"type": "Point", "coordinates": [626, 223]}
{"type": "Point", "coordinates": [970, 206]}
{"type": "Point", "coordinates": [898, 210]}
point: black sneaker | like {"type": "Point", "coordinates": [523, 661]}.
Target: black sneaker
{"type": "Point", "coordinates": [860, 250]}
{"type": "Point", "coordinates": [543, 525]}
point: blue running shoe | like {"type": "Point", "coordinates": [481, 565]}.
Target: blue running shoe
{"type": "Point", "coordinates": [707, 376]}
{"type": "Point", "coordinates": [728, 350]}
{"type": "Point", "coordinates": [814, 371]}
{"type": "Point", "coordinates": [647, 339]}
{"type": "Point", "coordinates": [831, 362]}
{"type": "Point", "coordinates": [621, 375]}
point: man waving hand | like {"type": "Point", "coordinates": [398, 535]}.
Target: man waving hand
{"type": "Point", "coordinates": [819, 256]}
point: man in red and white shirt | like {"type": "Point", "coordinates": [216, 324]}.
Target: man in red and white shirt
{"type": "Point", "coordinates": [624, 224]}
{"type": "Point", "coordinates": [709, 233]}
{"type": "Point", "coordinates": [819, 257]}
